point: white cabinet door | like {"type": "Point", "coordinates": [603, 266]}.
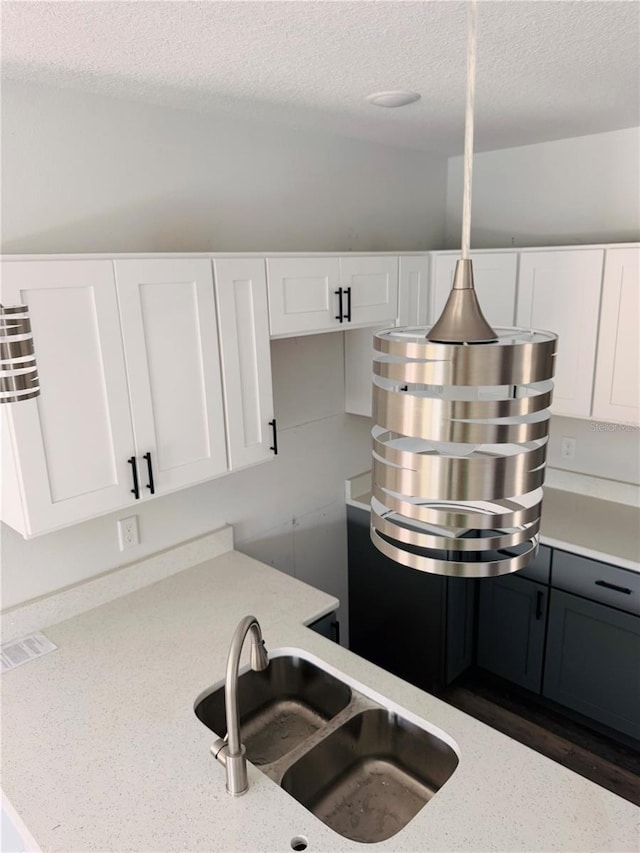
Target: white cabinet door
{"type": "Point", "coordinates": [310, 295]}
{"type": "Point", "coordinates": [241, 290]}
{"type": "Point", "coordinates": [69, 446]}
{"type": "Point", "coordinates": [370, 290]}
{"type": "Point", "coordinates": [559, 291]}
{"type": "Point", "coordinates": [616, 394]}
{"type": "Point", "coordinates": [303, 295]}
{"type": "Point", "coordinates": [495, 276]}
{"type": "Point", "coordinates": [413, 304]}
{"type": "Point", "coordinates": [170, 338]}
{"type": "Point", "coordinates": [413, 290]}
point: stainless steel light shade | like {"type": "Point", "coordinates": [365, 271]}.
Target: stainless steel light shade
{"type": "Point", "coordinates": [461, 414]}
{"type": "Point", "coordinates": [459, 449]}
{"type": "Point", "coordinates": [18, 370]}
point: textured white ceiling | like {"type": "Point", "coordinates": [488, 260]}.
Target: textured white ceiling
{"type": "Point", "coordinates": [546, 70]}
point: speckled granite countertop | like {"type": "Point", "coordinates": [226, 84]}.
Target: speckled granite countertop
{"type": "Point", "coordinates": [583, 524]}
{"type": "Point", "coordinates": [102, 750]}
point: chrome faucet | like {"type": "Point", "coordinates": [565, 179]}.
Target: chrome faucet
{"type": "Point", "coordinates": [229, 750]}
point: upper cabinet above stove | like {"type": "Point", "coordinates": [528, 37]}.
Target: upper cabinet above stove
{"type": "Point", "coordinates": [330, 294]}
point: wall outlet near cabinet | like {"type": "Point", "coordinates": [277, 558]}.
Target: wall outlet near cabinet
{"type": "Point", "coordinates": [568, 447]}
{"type": "Point", "coordinates": [128, 532]}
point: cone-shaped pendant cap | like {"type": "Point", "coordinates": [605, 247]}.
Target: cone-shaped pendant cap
{"type": "Point", "coordinates": [462, 320]}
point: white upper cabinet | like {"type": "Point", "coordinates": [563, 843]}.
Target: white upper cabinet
{"type": "Point", "coordinates": [559, 291]}
{"type": "Point", "coordinates": [370, 290]}
{"type": "Point", "coordinates": [413, 306]}
{"type": "Point", "coordinates": [131, 395]}
{"type": "Point", "coordinates": [170, 339]}
{"type": "Point", "coordinates": [322, 294]}
{"type": "Point", "coordinates": [495, 277]}
{"type": "Point", "coordinates": [66, 452]}
{"type": "Point", "coordinates": [241, 290]}
{"type": "Point", "coordinates": [413, 290]}
{"type": "Point", "coordinates": [616, 394]}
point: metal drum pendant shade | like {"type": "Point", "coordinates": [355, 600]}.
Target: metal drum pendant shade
{"type": "Point", "coordinates": [18, 369]}
{"type": "Point", "coordinates": [461, 426]}
{"type": "Point", "coordinates": [459, 448]}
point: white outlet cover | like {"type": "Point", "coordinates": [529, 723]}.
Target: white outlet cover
{"type": "Point", "coordinates": [128, 536]}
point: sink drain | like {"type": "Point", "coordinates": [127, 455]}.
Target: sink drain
{"type": "Point", "coordinates": [299, 843]}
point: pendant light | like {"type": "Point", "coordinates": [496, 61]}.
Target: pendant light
{"type": "Point", "coordinates": [461, 426]}
{"type": "Point", "coordinates": [18, 371]}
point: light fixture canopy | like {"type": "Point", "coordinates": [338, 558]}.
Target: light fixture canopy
{"type": "Point", "coordinates": [395, 98]}
{"type": "Point", "coordinates": [461, 414]}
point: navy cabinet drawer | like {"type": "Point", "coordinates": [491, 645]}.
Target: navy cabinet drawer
{"type": "Point", "coordinates": [598, 581]}
{"type": "Point", "coordinates": [540, 569]}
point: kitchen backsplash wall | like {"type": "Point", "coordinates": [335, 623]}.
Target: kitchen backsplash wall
{"type": "Point", "coordinates": [607, 450]}
{"type": "Point", "coordinates": [84, 173]}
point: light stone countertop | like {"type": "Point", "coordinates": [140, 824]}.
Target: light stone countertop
{"type": "Point", "coordinates": [102, 750]}
{"type": "Point", "coordinates": [583, 524]}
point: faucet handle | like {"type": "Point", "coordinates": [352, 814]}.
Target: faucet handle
{"type": "Point", "coordinates": [236, 766]}
{"type": "Point", "coordinates": [218, 749]}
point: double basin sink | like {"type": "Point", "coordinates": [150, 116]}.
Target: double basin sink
{"type": "Point", "coordinates": [358, 765]}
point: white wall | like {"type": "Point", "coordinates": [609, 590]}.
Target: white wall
{"type": "Point", "coordinates": [84, 173]}
{"type": "Point", "coordinates": [88, 174]}
{"type": "Point", "coordinates": [582, 190]}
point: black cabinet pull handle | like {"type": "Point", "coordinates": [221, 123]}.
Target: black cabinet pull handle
{"type": "Point", "coordinates": [274, 446]}
{"type": "Point", "coordinates": [539, 603]}
{"type": "Point", "coordinates": [338, 293]}
{"type": "Point", "coordinates": [404, 387]}
{"type": "Point", "coordinates": [614, 587]}
{"type": "Point", "coordinates": [134, 471]}
{"type": "Point", "coordinates": [347, 317]}
{"type": "Point", "coordinates": [335, 625]}
{"type": "Point", "coordinates": [150, 484]}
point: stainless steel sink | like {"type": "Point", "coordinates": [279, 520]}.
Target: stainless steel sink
{"type": "Point", "coordinates": [362, 768]}
{"type": "Point", "coordinates": [280, 707]}
{"type": "Point", "coordinates": [371, 776]}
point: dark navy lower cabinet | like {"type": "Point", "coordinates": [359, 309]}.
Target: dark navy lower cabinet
{"type": "Point", "coordinates": [512, 619]}
{"type": "Point", "coordinates": [328, 626]}
{"type": "Point", "coordinates": [416, 625]}
{"type": "Point", "coordinates": [593, 661]}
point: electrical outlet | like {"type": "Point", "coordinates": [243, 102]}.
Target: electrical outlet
{"type": "Point", "coordinates": [128, 532]}
{"type": "Point", "coordinates": [568, 447]}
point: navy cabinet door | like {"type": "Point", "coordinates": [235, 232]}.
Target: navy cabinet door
{"type": "Point", "coordinates": [592, 665]}
{"type": "Point", "coordinates": [416, 625]}
{"type": "Point", "coordinates": [511, 629]}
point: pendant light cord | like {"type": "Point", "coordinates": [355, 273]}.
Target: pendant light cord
{"type": "Point", "coordinates": [468, 129]}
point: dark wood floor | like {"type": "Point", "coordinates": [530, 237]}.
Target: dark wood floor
{"type": "Point", "coordinates": [593, 755]}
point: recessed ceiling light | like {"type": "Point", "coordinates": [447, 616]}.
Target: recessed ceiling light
{"type": "Point", "coordinates": [399, 98]}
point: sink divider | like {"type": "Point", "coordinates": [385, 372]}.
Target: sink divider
{"type": "Point", "coordinates": [358, 703]}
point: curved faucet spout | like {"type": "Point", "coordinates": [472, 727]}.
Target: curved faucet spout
{"type": "Point", "coordinates": [231, 752]}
